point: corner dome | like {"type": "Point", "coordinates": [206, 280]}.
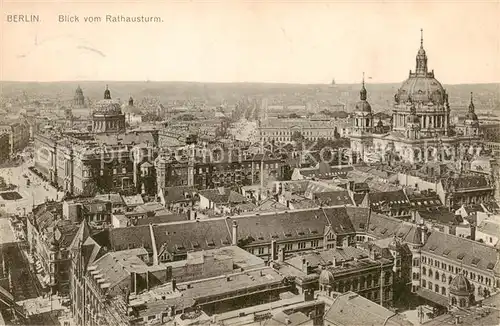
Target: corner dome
{"type": "Point", "coordinates": [326, 277]}
{"type": "Point", "coordinates": [363, 106]}
{"type": "Point", "coordinates": [460, 285]}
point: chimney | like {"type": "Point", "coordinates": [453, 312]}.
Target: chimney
{"type": "Point", "coordinates": [174, 284]}
{"type": "Point", "coordinates": [305, 266]}
{"type": "Point", "coordinates": [274, 250]}
{"type": "Point", "coordinates": [235, 233]}
{"type": "Point", "coordinates": [281, 255]}
{"type": "Point", "coordinates": [473, 232]}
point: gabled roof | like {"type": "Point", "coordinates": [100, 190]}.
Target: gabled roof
{"type": "Point", "coordinates": [461, 250]}
{"type": "Point", "coordinates": [178, 194]}
{"type": "Point", "coordinates": [353, 309]}
{"type": "Point", "coordinates": [223, 196]}
{"type": "Point", "coordinates": [333, 198]}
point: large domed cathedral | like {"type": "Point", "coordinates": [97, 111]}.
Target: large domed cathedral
{"type": "Point", "coordinates": [107, 115]}
{"type": "Point", "coordinates": [420, 129]}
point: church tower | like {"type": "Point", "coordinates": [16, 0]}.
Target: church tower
{"type": "Point", "coordinates": [471, 120]}
{"type": "Point", "coordinates": [363, 125]}
{"type": "Point", "coordinates": [79, 99]}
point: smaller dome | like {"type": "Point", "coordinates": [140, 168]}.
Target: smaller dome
{"type": "Point", "coordinates": [326, 277]}
{"type": "Point", "coordinates": [460, 285]}
{"type": "Point", "coordinates": [471, 116]}
{"type": "Point", "coordinates": [363, 106]}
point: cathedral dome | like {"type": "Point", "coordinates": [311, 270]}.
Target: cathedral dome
{"type": "Point", "coordinates": [326, 277]}
{"type": "Point", "coordinates": [460, 285]}
{"type": "Point", "coordinates": [108, 107]}
{"type": "Point", "coordinates": [421, 86]}
{"type": "Point", "coordinates": [422, 89]}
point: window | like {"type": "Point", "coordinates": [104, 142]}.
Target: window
{"type": "Point", "coordinates": [302, 245]}
{"type": "Point", "coordinates": [314, 243]}
{"type": "Point", "coordinates": [436, 288]}
{"type": "Point", "coordinates": [436, 275]}
{"type": "Point", "coordinates": [424, 283]}
{"type": "Point", "coordinates": [430, 272]}
{"type": "Point", "coordinates": [443, 290]}
{"type": "Point", "coordinates": [102, 172]}
{"type": "Point", "coordinates": [114, 171]}
{"type": "Point", "coordinates": [288, 246]}
{"type": "Point", "coordinates": [430, 286]}
{"type": "Point", "coordinates": [424, 271]}
{"type": "Point", "coordinates": [261, 250]}
{"type": "Point", "coordinates": [443, 266]}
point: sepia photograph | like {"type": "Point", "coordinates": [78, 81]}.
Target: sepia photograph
{"type": "Point", "coordinates": [250, 163]}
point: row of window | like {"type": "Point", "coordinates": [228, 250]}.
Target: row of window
{"type": "Point", "coordinates": [434, 287]}
{"type": "Point", "coordinates": [286, 247]}
{"type": "Point", "coordinates": [452, 269]}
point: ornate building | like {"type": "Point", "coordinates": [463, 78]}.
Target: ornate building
{"type": "Point", "coordinates": [109, 159]}
{"type": "Point", "coordinates": [79, 99]}
{"type": "Point", "coordinates": [420, 129]}
{"type": "Point", "coordinates": [107, 115]}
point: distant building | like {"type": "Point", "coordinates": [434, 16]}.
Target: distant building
{"type": "Point", "coordinates": [79, 99]}
{"type": "Point", "coordinates": [19, 135]}
{"type": "Point", "coordinates": [4, 147]}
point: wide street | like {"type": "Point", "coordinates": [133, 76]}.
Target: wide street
{"type": "Point", "coordinates": [34, 194]}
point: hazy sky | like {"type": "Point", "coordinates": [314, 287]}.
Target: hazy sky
{"type": "Point", "coordinates": [253, 41]}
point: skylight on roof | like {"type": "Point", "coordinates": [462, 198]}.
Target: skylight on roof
{"type": "Point", "coordinates": [475, 261]}
{"type": "Point", "coordinates": [490, 266]}
{"type": "Point", "coordinates": [433, 248]}
{"type": "Point", "coordinates": [446, 252]}
{"type": "Point", "coordinates": [461, 256]}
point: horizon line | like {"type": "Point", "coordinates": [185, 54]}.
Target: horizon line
{"type": "Point", "coordinates": [226, 82]}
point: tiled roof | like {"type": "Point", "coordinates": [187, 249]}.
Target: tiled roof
{"type": "Point", "coordinates": [192, 235]}
{"type": "Point", "coordinates": [382, 226]}
{"type": "Point", "coordinates": [324, 257]}
{"type": "Point", "coordinates": [465, 182]}
{"type": "Point", "coordinates": [489, 227]}
{"type": "Point", "coordinates": [178, 194]}
{"type": "Point", "coordinates": [461, 250]}
{"type": "Point", "coordinates": [115, 199]}
{"type": "Point", "coordinates": [223, 196]}
{"type": "Point", "coordinates": [352, 309]}
{"type": "Point", "coordinates": [391, 197]}
{"type": "Point", "coordinates": [333, 198]}
{"type": "Point", "coordinates": [440, 215]}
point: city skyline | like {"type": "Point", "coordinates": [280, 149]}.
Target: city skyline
{"type": "Point", "coordinates": [292, 43]}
